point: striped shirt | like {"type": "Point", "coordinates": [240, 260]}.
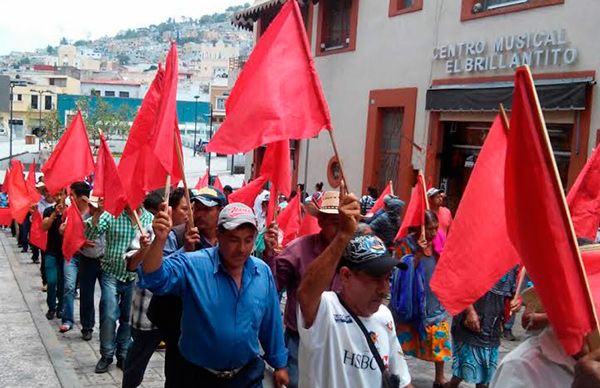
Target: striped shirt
{"type": "Point", "coordinates": [118, 233]}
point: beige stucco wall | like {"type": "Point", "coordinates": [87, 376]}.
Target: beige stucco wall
{"type": "Point", "coordinates": [397, 52]}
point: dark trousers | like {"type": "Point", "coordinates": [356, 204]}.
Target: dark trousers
{"type": "Point", "coordinates": [173, 358]}
{"type": "Point", "coordinates": [23, 238]}
{"type": "Point", "coordinates": [194, 376]}
{"type": "Point", "coordinates": [43, 268]}
{"type": "Point", "coordinates": [35, 253]}
{"type": "Point", "coordinates": [138, 356]}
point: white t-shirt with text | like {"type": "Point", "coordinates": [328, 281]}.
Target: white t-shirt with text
{"type": "Point", "coordinates": [334, 351]}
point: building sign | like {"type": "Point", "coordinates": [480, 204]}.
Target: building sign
{"type": "Point", "coordinates": [536, 49]}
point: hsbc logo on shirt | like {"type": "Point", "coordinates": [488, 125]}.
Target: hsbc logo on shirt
{"type": "Point", "coordinates": [360, 361]}
{"type": "Point", "coordinates": [342, 318]}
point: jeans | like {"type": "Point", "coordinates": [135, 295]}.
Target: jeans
{"type": "Point", "coordinates": [55, 278]}
{"type": "Point", "coordinates": [24, 233]}
{"type": "Point", "coordinates": [70, 289]}
{"type": "Point", "coordinates": [43, 268]}
{"type": "Point", "coordinates": [89, 271]}
{"type": "Point", "coordinates": [115, 304]}
{"type": "Point", "coordinates": [292, 343]}
{"type": "Point", "coordinates": [139, 354]}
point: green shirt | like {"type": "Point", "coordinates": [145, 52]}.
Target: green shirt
{"type": "Point", "coordinates": [118, 234]}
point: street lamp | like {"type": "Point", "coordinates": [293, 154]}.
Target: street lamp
{"type": "Point", "coordinates": [210, 134]}
{"type": "Point", "coordinates": [12, 86]}
{"type": "Point", "coordinates": [39, 133]}
{"type": "Point", "coordinates": [195, 122]}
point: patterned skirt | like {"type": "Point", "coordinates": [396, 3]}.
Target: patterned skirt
{"type": "Point", "coordinates": [474, 364]}
{"type": "Point", "coordinates": [434, 345]}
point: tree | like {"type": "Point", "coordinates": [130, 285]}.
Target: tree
{"type": "Point", "coordinates": [24, 61]}
{"type": "Point", "coordinates": [100, 115]}
{"type": "Point", "coordinates": [123, 59]}
{"type": "Point", "coordinates": [63, 40]}
{"type": "Point", "coordinates": [50, 50]}
{"type": "Point", "coordinates": [52, 129]}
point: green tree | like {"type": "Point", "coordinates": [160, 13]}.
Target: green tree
{"type": "Point", "coordinates": [24, 61]}
{"type": "Point", "coordinates": [63, 40]}
{"type": "Point", "coordinates": [50, 50]}
{"type": "Point", "coordinates": [101, 116]}
{"type": "Point", "coordinates": [123, 59]}
{"type": "Point", "coordinates": [52, 129]}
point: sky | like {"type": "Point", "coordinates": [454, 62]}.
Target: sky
{"type": "Point", "coordinates": [27, 25]}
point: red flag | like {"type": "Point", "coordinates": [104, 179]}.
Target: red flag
{"type": "Point", "coordinates": [309, 225]}
{"type": "Point", "coordinates": [584, 198]}
{"type": "Point", "coordinates": [107, 183]}
{"type": "Point", "coordinates": [273, 204]}
{"type": "Point", "coordinates": [217, 184]}
{"type": "Point", "coordinates": [538, 220]}
{"type": "Point", "coordinates": [166, 120]}
{"type": "Point", "coordinates": [6, 180]}
{"type": "Point", "coordinates": [272, 105]}
{"type": "Point", "coordinates": [202, 181]}
{"type": "Point", "coordinates": [19, 197]}
{"type": "Point", "coordinates": [71, 160]}
{"type": "Point", "coordinates": [5, 216]}
{"type": "Point", "coordinates": [73, 238]}
{"type": "Point", "coordinates": [38, 236]}
{"type": "Point", "coordinates": [415, 212]}
{"type": "Point", "coordinates": [247, 194]}
{"type": "Point", "coordinates": [139, 168]}
{"type": "Point", "coordinates": [459, 280]}
{"type": "Point", "coordinates": [289, 220]}
{"type": "Point", "coordinates": [31, 175]}
{"type": "Point", "coordinates": [276, 166]}
{"type": "Point", "coordinates": [379, 203]}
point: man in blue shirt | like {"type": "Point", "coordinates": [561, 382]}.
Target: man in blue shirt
{"type": "Point", "coordinates": [230, 303]}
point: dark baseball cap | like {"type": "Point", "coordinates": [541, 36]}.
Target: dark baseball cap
{"type": "Point", "coordinates": [368, 253]}
{"type": "Point", "coordinates": [209, 196]}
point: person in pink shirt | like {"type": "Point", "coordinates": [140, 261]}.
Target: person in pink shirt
{"type": "Point", "coordinates": [436, 199]}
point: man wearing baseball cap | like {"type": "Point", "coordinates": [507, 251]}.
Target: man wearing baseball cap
{"type": "Point", "coordinates": [230, 303]}
{"type": "Point", "coordinates": [349, 339]}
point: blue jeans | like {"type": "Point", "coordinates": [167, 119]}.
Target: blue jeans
{"type": "Point", "coordinates": [292, 343]}
{"type": "Point", "coordinates": [115, 304]}
{"type": "Point", "coordinates": [54, 276]}
{"type": "Point", "coordinates": [89, 271]}
{"type": "Point", "coordinates": [70, 289]}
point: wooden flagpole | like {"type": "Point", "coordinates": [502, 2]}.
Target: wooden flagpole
{"type": "Point", "coordinates": [592, 339]}
{"type": "Point", "coordinates": [391, 187]}
{"type": "Point", "coordinates": [426, 201]}
{"type": "Point", "coordinates": [338, 158]}
{"type": "Point", "coordinates": [190, 223]}
{"type": "Point", "coordinates": [504, 117]}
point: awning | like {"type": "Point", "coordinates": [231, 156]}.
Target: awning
{"type": "Point", "coordinates": [245, 19]}
{"type": "Point", "coordinates": [555, 94]}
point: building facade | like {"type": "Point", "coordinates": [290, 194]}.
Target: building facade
{"type": "Point", "coordinates": [415, 84]}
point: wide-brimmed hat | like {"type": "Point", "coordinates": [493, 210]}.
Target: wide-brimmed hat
{"type": "Point", "coordinates": [327, 203]}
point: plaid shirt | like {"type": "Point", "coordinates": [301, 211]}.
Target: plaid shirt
{"type": "Point", "coordinates": [118, 233]}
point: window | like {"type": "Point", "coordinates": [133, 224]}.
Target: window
{"type": "Point", "coordinates": [124, 94]}
{"type": "Point", "coordinates": [19, 97]}
{"type": "Point", "coordinates": [220, 105]}
{"type": "Point", "coordinates": [389, 146]}
{"type": "Point", "coordinates": [337, 26]}
{"type": "Point", "coordinates": [474, 9]}
{"type": "Point", "coordinates": [109, 93]}
{"type": "Point", "coordinates": [48, 102]}
{"type": "Point", "coordinates": [94, 92]}
{"type": "Point", "coordinates": [51, 81]}
{"type": "Point", "coordinates": [398, 7]}
{"type": "Point", "coordinates": [34, 101]}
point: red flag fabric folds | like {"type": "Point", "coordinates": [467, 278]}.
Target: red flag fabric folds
{"type": "Point", "coordinates": [309, 225]}
{"type": "Point", "coordinates": [276, 166]}
{"type": "Point", "coordinates": [31, 175]}
{"type": "Point", "coordinates": [73, 238]}
{"type": "Point", "coordinates": [247, 194]}
{"type": "Point", "coordinates": [415, 212]}
{"type": "Point", "coordinates": [217, 184]}
{"type": "Point", "coordinates": [538, 220]}
{"type": "Point", "coordinates": [584, 198]}
{"type": "Point", "coordinates": [289, 220]}
{"type": "Point", "coordinates": [5, 183]}
{"type": "Point", "coordinates": [478, 251]}
{"type": "Point", "coordinates": [268, 105]}
{"type": "Point", "coordinates": [19, 196]}
{"type": "Point", "coordinates": [139, 168]}
{"type": "Point", "coordinates": [5, 216]}
{"type": "Point", "coordinates": [202, 181]}
{"type": "Point", "coordinates": [71, 160]}
{"type": "Point", "coordinates": [166, 121]}
{"type": "Point", "coordinates": [38, 236]}
{"type": "Point", "coordinates": [379, 203]}
{"type": "Point", "coordinates": [107, 183]}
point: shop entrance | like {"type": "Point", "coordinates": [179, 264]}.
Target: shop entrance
{"type": "Point", "coordinates": [462, 142]}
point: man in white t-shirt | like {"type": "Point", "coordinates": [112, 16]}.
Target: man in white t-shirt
{"type": "Point", "coordinates": [334, 352]}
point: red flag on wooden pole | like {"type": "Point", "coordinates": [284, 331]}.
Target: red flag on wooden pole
{"type": "Point", "coordinates": [380, 201]}
{"type": "Point", "coordinates": [415, 211]}
{"type": "Point", "coordinates": [478, 251]}
{"type": "Point", "coordinates": [71, 160]}
{"type": "Point", "coordinates": [217, 184]}
{"type": "Point", "coordinates": [38, 236]}
{"type": "Point", "coordinates": [31, 175]}
{"type": "Point", "coordinates": [247, 194]}
{"type": "Point", "coordinates": [19, 196]}
{"type": "Point", "coordinates": [538, 221]}
{"type": "Point", "coordinates": [290, 219]}
{"type": "Point", "coordinates": [275, 105]}
{"type": "Point", "coordinates": [584, 198]}
{"type": "Point", "coordinates": [276, 166]}
{"type": "Point", "coordinates": [73, 238]}
{"type": "Point", "coordinates": [6, 180]}
{"type": "Point", "coordinates": [202, 181]}
{"type": "Point", "coordinates": [107, 183]}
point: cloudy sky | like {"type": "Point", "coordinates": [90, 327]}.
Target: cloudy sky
{"type": "Point", "coordinates": [27, 25]}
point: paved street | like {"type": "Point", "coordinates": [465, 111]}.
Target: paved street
{"type": "Point", "coordinates": [34, 354]}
